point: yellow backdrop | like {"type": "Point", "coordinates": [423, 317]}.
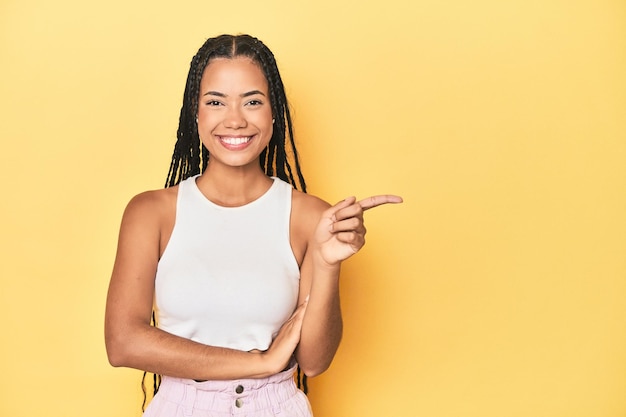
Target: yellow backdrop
{"type": "Point", "coordinates": [497, 289]}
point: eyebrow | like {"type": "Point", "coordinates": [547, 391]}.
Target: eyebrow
{"type": "Point", "coordinates": [247, 94]}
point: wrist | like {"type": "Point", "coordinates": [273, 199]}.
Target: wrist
{"type": "Point", "coordinates": [321, 264]}
{"type": "Point", "coordinates": [271, 364]}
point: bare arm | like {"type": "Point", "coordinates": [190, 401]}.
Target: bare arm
{"type": "Point", "coordinates": [130, 339]}
{"type": "Point", "coordinates": [339, 234]}
{"type": "Point", "coordinates": [322, 326]}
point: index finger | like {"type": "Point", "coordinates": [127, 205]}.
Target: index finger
{"type": "Point", "coordinates": [378, 200]}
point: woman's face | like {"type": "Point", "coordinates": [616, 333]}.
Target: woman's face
{"type": "Point", "coordinates": [234, 112]}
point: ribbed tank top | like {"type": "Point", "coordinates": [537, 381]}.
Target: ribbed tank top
{"type": "Point", "coordinates": [228, 276]}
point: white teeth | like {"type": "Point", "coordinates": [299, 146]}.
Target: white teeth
{"type": "Point", "coordinates": [235, 141]}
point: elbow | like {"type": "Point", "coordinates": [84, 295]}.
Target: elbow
{"type": "Point", "coordinates": [310, 373]}
{"type": "Point", "coordinates": [124, 345]}
{"type": "Point", "coordinates": [115, 355]}
{"type": "Point", "coordinates": [115, 359]}
{"type": "Point", "coordinates": [118, 351]}
{"type": "Point", "coordinates": [317, 359]}
{"type": "Point", "coordinates": [315, 369]}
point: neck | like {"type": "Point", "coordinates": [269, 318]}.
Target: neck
{"type": "Point", "coordinates": [233, 186]}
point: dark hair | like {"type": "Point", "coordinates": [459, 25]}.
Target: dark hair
{"type": "Point", "coordinates": [190, 156]}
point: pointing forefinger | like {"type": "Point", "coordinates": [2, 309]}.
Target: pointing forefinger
{"type": "Point", "coordinates": [378, 200]}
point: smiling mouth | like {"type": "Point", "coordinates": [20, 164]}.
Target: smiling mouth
{"type": "Point", "coordinates": [236, 140]}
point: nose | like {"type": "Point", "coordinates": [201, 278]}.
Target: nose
{"type": "Point", "coordinates": [235, 118]}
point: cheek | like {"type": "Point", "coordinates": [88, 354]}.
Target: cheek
{"type": "Point", "coordinates": [269, 130]}
{"type": "Point", "coordinates": [270, 133]}
{"type": "Point", "coordinates": [262, 121]}
{"type": "Point", "coordinates": [266, 121]}
{"type": "Point", "coordinates": [207, 121]}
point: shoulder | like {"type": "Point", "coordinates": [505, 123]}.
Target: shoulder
{"type": "Point", "coordinates": [306, 211]}
{"type": "Point", "coordinates": [153, 199]}
{"type": "Point", "coordinates": [151, 205]}
{"type": "Point", "coordinates": [307, 204]}
{"type": "Point", "coordinates": [146, 221]}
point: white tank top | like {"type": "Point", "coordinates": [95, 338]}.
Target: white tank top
{"type": "Point", "coordinates": [228, 276]}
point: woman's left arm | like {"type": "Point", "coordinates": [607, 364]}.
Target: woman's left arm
{"type": "Point", "coordinates": [338, 233]}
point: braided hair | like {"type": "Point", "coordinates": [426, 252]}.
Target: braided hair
{"type": "Point", "coordinates": [191, 157]}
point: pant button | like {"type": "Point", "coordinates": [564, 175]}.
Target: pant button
{"type": "Point", "coordinates": [238, 403]}
{"type": "Point", "coordinates": [239, 389]}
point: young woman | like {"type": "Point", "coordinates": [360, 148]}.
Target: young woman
{"type": "Point", "coordinates": [240, 269]}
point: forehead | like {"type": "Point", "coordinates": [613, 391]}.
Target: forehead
{"type": "Point", "coordinates": [233, 74]}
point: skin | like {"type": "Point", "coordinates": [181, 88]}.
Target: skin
{"type": "Point", "coordinates": [235, 124]}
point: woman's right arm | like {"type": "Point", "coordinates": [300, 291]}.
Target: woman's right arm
{"type": "Point", "coordinates": [130, 339]}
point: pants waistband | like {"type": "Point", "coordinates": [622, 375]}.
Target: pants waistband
{"type": "Point", "coordinates": [237, 396]}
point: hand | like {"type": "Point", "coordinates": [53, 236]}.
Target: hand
{"type": "Point", "coordinates": [284, 344]}
{"type": "Point", "coordinates": [340, 232]}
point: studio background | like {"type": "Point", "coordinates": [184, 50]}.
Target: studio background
{"type": "Point", "coordinates": [497, 289]}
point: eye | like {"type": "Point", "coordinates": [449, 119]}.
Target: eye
{"type": "Point", "coordinates": [213, 103]}
{"type": "Point", "coordinates": [254, 102]}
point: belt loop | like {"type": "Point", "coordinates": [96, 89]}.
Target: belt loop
{"type": "Point", "coordinates": [189, 399]}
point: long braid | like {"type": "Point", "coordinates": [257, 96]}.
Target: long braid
{"type": "Point", "coordinates": [185, 158]}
